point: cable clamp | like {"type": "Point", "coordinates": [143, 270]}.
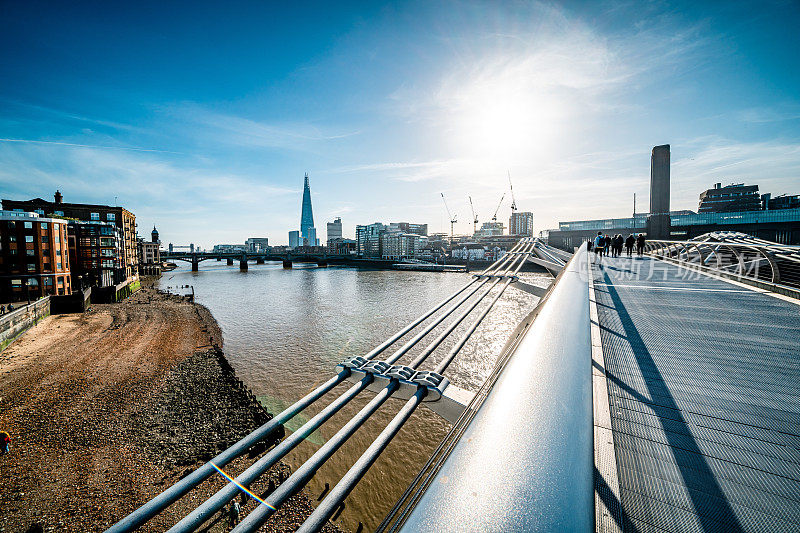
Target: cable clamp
{"type": "Point", "coordinates": [408, 379]}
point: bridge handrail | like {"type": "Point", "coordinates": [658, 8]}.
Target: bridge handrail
{"type": "Point", "coordinates": [530, 439]}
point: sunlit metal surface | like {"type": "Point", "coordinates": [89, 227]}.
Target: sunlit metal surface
{"type": "Point", "coordinates": [525, 461]}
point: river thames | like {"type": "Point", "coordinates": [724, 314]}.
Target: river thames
{"type": "Point", "coordinates": [286, 329]}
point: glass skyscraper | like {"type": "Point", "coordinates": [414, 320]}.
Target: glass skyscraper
{"type": "Point", "coordinates": [307, 217]}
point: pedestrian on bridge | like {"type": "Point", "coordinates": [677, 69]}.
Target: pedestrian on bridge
{"type": "Point", "coordinates": [629, 242]}
{"type": "Point", "coordinates": [599, 244]}
{"type": "Point", "coordinates": [640, 245]}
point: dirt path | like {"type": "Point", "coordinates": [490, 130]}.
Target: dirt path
{"type": "Point", "coordinates": [108, 408]}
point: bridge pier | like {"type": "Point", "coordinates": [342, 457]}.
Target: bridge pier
{"type": "Point", "coordinates": [287, 263]}
{"type": "Point", "coordinates": [322, 263]}
{"type": "Point", "coordinates": [259, 260]}
{"type": "Point", "coordinates": [243, 263]}
{"type": "Point", "coordinates": [230, 261]}
{"type": "Point", "coordinates": [195, 264]}
{"type": "Point", "coordinates": [219, 259]}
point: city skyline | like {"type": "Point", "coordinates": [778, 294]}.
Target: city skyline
{"type": "Point", "coordinates": [204, 128]}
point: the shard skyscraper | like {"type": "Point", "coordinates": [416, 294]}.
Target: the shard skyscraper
{"type": "Point", "coordinates": [307, 230]}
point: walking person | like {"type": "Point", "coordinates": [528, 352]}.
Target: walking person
{"type": "Point", "coordinates": [629, 242]}
{"type": "Point", "coordinates": [640, 245]}
{"type": "Point", "coordinates": [5, 443]}
{"type": "Point", "coordinates": [599, 243]}
{"type": "Point", "coordinates": [608, 244]}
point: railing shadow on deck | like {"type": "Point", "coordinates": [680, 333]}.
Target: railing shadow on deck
{"type": "Point", "coordinates": [668, 409]}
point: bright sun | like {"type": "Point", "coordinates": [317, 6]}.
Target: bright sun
{"type": "Point", "coordinates": [503, 121]}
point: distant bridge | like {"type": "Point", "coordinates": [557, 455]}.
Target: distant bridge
{"type": "Point", "coordinates": [288, 258]}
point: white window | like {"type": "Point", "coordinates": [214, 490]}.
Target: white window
{"type": "Point", "coordinates": [110, 216]}
{"type": "Point", "coordinates": [31, 267]}
{"type": "Point", "coordinates": [29, 225]}
{"type": "Point", "coordinates": [16, 282]}
{"type": "Point", "coordinates": [58, 265]}
{"type": "Point", "coordinates": [44, 225]}
{"type": "Point", "coordinates": [94, 216]}
{"type": "Point", "coordinates": [28, 238]}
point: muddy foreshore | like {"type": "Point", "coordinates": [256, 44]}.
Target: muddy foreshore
{"type": "Point", "coordinates": [108, 408]}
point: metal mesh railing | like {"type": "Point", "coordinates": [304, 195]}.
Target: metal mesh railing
{"type": "Point", "coordinates": [735, 254]}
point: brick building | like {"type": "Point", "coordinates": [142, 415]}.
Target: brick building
{"type": "Point", "coordinates": [34, 259]}
{"type": "Point", "coordinates": [119, 216]}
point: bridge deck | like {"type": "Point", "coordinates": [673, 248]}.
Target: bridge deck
{"type": "Point", "coordinates": [703, 380]}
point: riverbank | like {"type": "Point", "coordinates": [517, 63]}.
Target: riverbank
{"type": "Point", "coordinates": [108, 408]}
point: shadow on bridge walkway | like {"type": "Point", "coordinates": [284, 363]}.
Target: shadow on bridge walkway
{"type": "Point", "coordinates": [704, 389]}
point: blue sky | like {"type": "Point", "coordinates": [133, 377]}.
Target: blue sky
{"type": "Point", "coordinates": [202, 117]}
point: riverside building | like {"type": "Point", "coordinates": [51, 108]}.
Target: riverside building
{"type": "Point", "coordinates": [96, 254]}
{"type": "Point", "coordinates": [34, 259]}
{"type": "Point", "coordinates": [119, 216]}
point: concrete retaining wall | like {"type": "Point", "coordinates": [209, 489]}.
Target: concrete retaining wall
{"type": "Point", "coordinates": [17, 322]}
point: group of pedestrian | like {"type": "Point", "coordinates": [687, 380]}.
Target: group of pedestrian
{"type": "Point", "coordinates": [608, 245]}
{"type": "Point", "coordinates": [3, 308]}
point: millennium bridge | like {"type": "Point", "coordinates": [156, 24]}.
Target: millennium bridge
{"type": "Point", "coordinates": [642, 394]}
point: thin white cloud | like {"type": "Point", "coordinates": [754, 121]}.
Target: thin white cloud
{"type": "Point", "coordinates": [59, 143]}
{"type": "Point", "coordinates": [212, 126]}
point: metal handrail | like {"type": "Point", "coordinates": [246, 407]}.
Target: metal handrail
{"type": "Point", "coordinates": [528, 448]}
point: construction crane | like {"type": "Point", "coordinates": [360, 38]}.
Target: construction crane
{"type": "Point", "coordinates": [452, 220]}
{"type": "Point", "coordinates": [513, 201]}
{"type": "Point", "coordinates": [494, 217]}
{"type": "Point", "coordinates": [474, 217]}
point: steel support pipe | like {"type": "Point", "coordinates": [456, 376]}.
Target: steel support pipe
{"type": "Point", "coordinates": [144, 513]}
{"type": "Point", "coordinates": [525, 461]}
{"type": "Point", "coordinates": [301, 476]}
{"type": "Point", "coordinates": [230, 491]}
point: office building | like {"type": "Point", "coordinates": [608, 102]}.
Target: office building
{"type": "Point", "coordinates": [311, 237]}
{"type": "Point", "coordinates": [406, 227]}
{"type": "Point", "coordinates": [368, 239]}
{"type": "Point", "coordinates": [658, 222]}
{"type": "Point", "coordinates": [334, 230]}
{"type": "Point", "coordinates": [34, 256]}
{"type": "Point", "coordinates": [294, 239]}
{"type": "Point", "coordinates": [731, 198]}
{"type": "Point", "coordinates": [783, 201]}
{"type": "Point", "coordinates": [521, 223]}
{"type": "Point", "coordinates": [256, 244]}
{"type": "Point", "coordinates": [119, 216]}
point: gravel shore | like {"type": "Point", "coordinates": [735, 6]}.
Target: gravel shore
{"type": "Point", "coordinates": [108, 408]}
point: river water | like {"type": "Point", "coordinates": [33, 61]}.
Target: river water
{"type": "Point", "coordinates": [286, 329]}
